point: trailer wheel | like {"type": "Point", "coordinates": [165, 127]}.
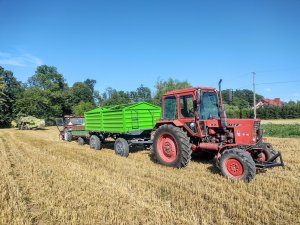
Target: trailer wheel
{"type": "Point", "coordinates": [95, 142]}
{"type": "Point", "coordinates": [121, 147]}
{"type": "Point", "coordinates": [171, 146]}
{"type": "Point", "coordinates": [237, 164]}
{"type": "Point", "coordinates": [80, 141]}
{"type": "Point", "coordinates": [67, 136]}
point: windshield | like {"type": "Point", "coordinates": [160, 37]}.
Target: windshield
{"type": "Point", "coordinates": [209, 106]}
{"type": "Point", "coordinates": [74, 121]}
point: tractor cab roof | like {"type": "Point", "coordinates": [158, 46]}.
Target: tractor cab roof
{"type": "Point", "coordinates": [188, 90]}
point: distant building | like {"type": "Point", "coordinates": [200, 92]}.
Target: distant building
{"type": "Point", "coordinates": [267, 101]}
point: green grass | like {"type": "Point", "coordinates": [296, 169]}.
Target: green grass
{"type": "Point", "coordinates": [281, 130]}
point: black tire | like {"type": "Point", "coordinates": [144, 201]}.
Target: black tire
{"type": "Point", "coordinates": [121, 147]}
{"type": "Point", "coordinates": [95, 142]}
{"type": "Point", "coordinates": [267, 152]}
{"type": "Point", "coordinates": [237, 164]}
{"type": "Point", "coordinates": [269, 148]}
{"type": "Point", "coordinates": [171, 146]}
{"type": "Point", "coordinates": [68, 136]}
{"type": "Point", "coordinates": [80, 141]}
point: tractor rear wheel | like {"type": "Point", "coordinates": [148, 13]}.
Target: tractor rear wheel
{"type": "Point", "coordinates": [80, 141]}
{"type": "Point", "coordinates": [171, 146]}
{"type": "Point", "coordinates": [95, 142]}
{"type": "Point", "coordinates": [121, 147]}
{"type": "Point", "coordinates": [237, 164]}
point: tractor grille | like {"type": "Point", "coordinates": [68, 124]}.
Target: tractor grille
{"type": "Point", "coordinates": [256, 126]}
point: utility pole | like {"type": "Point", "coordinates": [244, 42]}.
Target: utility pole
{"type": "Point", "coordinates": [254, 97]}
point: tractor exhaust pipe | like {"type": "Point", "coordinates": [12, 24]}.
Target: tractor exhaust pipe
{"type": "Point", "coordinates": [223, 116]}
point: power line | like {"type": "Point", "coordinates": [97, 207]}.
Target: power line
{"type": "Point", "coordinates": [277, 82]}
{"type": "Point", "coordinates": [281, 82]}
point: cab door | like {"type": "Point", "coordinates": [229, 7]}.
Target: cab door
{"type": "Point", "coordinates": [186, 112]}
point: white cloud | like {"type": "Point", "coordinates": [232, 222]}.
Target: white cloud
{"type": "Point", "coordinates": [24, 60]}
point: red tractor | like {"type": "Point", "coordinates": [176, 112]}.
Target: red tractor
{"type": "Point", "coordinates": [66, 124]}
{"type": "Point", "coordinates": [193, 120]}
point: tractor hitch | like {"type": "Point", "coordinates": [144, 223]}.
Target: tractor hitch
{"type": "Point", "coordinates": [271, 162]}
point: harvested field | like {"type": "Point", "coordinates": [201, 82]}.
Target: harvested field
{"type": "Point", "coordinates": [47, 181]}
{"type": "Point", "coordinates": [282, 121]}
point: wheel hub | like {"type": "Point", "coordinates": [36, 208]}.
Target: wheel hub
{"type": "Point", "coordinates": [166, 147]}
{"type": "Point", "coordinates": [119, 148]}
{"type": "Point", "coordinates": [234, 167]}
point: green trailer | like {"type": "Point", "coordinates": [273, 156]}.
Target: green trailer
{"type": "Point", "coordinates": [79, 133]}
{"type": "Point", "coordinates": [128, 124]}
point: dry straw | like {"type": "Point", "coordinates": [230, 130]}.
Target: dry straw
{"type": "Point", "coordinates": [47, 181]}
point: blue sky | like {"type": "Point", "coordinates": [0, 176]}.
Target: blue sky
{"type": "Point", "coordinates": [123, 44]}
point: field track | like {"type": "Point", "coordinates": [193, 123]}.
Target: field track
{"type": "Point", "coordinates": [47, 181]}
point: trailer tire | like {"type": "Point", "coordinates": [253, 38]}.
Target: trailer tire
{"type": "Point", "coordinates": [237, 164]}
{"type": "Point", "coordinates": [121, 147]}
{"type": "Point", "coordinates": [171, 146]}
{"type": "Point", "coordinates": [67, 136]}
{"type": "Point", "coordinates": [80, 141]}
{"type": "Point", "coordinates": [95, 142]}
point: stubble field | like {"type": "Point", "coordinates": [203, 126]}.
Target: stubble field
{"type": "Point", "coordinates": [47, 181]}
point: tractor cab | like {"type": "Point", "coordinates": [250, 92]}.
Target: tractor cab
{"type": "Point", "coordinates": [192, 108]}
{"type": "Point", "coordinates": [194, 120]}
{"type": "Point", "coordinates": [66, 124]}
{"type": "Point", "coordinates": [199, 111]}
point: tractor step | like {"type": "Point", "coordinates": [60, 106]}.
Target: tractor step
{"type": "Point", "coordinates": [271, 162]}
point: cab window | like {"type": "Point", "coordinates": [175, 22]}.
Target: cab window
{"type": "Point", "coordinates": [170, 108]}
{"type": "Point", "coordinates": [186, 106]}
{"type": "Point", "coordinates": [209, 106]}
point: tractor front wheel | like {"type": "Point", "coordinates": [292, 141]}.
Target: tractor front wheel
{"type": "Point", "coordinates": [95, 142]}
{"type": "Point", "coordinates": [121, 147]}
{"type": "Point", "coordinates": [171, 146]}
{"type": "Point", "coordinates": [237, 164]}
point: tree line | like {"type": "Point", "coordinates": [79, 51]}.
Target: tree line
{"type": "Point", "coordinates": [47, 95]}
{"type": "Point", "coordinates": [241, 106]}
